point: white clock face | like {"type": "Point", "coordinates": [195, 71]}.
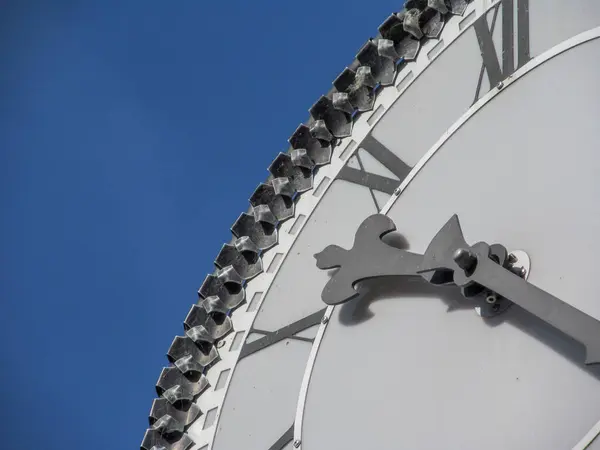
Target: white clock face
{"type": "Point", "coordinates": [410, 365]}
{"type": "Point", "coordinates": [496, 120]}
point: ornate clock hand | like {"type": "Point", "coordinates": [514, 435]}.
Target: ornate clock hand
{"type": "Point", "coordinates": [449, 259]}
{"type": "Point", "coordinates": [449, 251]}
{"type": "Point", "coordinates": [368, 258]}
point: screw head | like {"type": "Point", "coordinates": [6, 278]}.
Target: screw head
{"type": "Point", "coordinates": [491, 298]}
{"type": "Point", "coordinates": [501, 85]}
{"type": "Point", "coordinates": [220, 343]}
{"type": "Point", "coordinates": [297, 443]}
{"type": "Point", "coordinates": [324, 320]}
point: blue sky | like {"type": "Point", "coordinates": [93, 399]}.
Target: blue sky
{"type": "Point", "coordinates": [131, 135]}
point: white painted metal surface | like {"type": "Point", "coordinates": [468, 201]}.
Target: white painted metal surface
{"type": "Point", "coordinates": [290, 290]}
{"type": "Point", "coordinates": [417, 369]}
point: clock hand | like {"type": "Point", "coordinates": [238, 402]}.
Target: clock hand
{"type": "Point", "coordinates": [449, 251]}
{"type": "Point", "coordinates": [449, 259]}
{"type": "Point", "coordinates": [368, 258]}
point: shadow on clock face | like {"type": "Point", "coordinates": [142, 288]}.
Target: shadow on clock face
{"type": "Point", "coordinates": [358, 310]}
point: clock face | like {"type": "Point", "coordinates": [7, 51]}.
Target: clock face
{"type": "Point", "coordinates": [411, 365]}
{"type": "Point", "coordinates": [496, 121]}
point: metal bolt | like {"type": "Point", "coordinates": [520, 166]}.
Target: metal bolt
{"type": "Point", "coordinates": [297, 443]}
{"type": "Point", "coordinates": [464, 258]}
{"type": "Point", "coordinates": [491, 298]}
{"type": "Point", "coordinates": [324, 320]}
{"type": "Point", "coordinates": [500, 85]}
{"type": "Point", "coordinates": [221, 343]}
{"type": "Point", "coordinates": [519, 271]}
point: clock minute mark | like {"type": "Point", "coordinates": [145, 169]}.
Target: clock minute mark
{"type": "Point", "coordinates": [286, 332]}
{"type": "Point", "coordinates": [362, 168]}
{"type": "Point", "coordinates": [284, 440]}
{"type": "Point", "coordinates": [373, 181]}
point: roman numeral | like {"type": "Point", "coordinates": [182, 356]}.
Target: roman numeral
{"type": "Point", "coordinates": [373, 181]}
{"type": "Point", "coordinates": [287, 332]}
{"type": "Point", "coordinates": [284, 440]}
{"type": "Point", "coordinates": [495, 69]}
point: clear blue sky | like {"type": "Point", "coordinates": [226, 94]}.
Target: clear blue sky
{"type": "Point", "coordinates": [131, 135]}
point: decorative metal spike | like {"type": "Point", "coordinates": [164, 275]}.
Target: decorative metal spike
{"type": "Point", "coordinates": [260, 227]}
{"type": "Point", "coordinates": [341, 101]}
{"type": "Point", "coordinates": [200, 335]}
{"type": "Point", "coordinates": [386, 49]}
{"type": "Point", "coordinates": [338, 122]}
{"type": "Point", "coordinates": [361, 95]}
{"type": "Point", "coordinates": [408, 48]}
{"type": "Point", "coordinates": [226, 284]}
{"type": "Point", "coordinates": [318, 151]}
{"type": "Point", "coordinates": [161, 407]}
{"type": "Point", "coordinates": [278, 195]}
{"type": "Point", "coordinates": [411, 23]}
{"type": "Point", "coordinates": [415, 4]}
{"type": "Point", "coordinates": [382, 70]}
{"type": "Point", "coordinates": [178, 394]}
{"type": "Point", "coordinates": [393, 28]}
{"type": "Point", "coordinates": [301, 180]}
{"type": "Point", "coordinates": [263, 194]}
{"type": "Point", "coordinates": [458, 7]}
{"type": "Point", "coordinates": [219, 329]}
{"type": "Point", "coordinates": [187, 364]}
{"type": "Point", "coordinates": [168, 425]}
{"type": "Point", "coordinates": [228, 275]}
{"type": "Point", "coordinates": [244, 257]}
{"type": "Point", "coordinates": [438, 5]}
{"type": "Point", "coordinates": [197, 315]}
{"type": "Point", "coordinates": [283, 187]}
{"type": "Point", "coordinates": [263, 214]}
{"type": "Point", "coordinates": [300, 158]}
{"type": "Point", "coordinates": [244, 244]}
{"type": "Point", "coordinates": [434, 26]}
{"type": "Point", "coordinates": [154, 439]}
{"type": "Point", "coordinates": [319, 130]}
{"type": "Point", "coordinates": [364, 77]}
{"type": "Point", "coordinates": [207, 334]}
{"type": "Point", "coordinates": [363, 99]}
{"type": "Point", "coordinates": [344, 80]}
{"type": "Point", "coordinates": [197, 343]}
{"type": "Point", "coordinates": [171, 376]}
{"type": "Point", "coordinates": [213, 305]}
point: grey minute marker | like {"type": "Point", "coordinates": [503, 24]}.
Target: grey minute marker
{"type": "Point", "coordinates": [464, 265]}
